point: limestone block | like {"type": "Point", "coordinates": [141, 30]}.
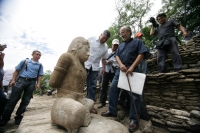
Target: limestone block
{"type": "Point", "coordinates": [160, 121]}
{"type": "Point", "coordinates": [179, 112]}
{"type": "Point", "coordinates": [195, 113]}
{"type": "Point", "coordinates": [70, 114]}
{"type": "Point", "coordinates": [169, 123]}
{"type": "Point", "coordinates": [178, 130]}
{"type": "Point", "coordinates": [182, 117]}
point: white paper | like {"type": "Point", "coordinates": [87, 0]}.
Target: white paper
{"type": "Point", "coordinates": [136, 81]}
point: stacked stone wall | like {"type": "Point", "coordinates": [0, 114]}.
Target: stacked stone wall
{"type": "Point", "coordinates": [173, 98]}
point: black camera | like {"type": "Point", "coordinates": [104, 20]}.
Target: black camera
{"type": "Point", "coordinates": [153, 21]}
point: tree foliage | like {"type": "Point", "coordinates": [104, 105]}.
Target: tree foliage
{"type": "Point", "coordinates": [45, 79]}
{"type": "Point", "coordinates": [130, 13]}
{"type": "Point", "coordinates": [187, 12]}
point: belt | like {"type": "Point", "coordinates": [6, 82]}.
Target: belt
{"type": "Point", "coordinates": [28, 79]}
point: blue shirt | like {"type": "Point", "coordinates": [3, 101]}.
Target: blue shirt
{"type": "Point", "coordinates": [128, 51]}
{"type": "Point", "coordinates": [30, 70]}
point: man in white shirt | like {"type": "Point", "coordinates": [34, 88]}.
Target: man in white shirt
{"type": "Point", "coordinates": [98, 51]}
{"type": "Point", "coordinates": [8, 73]}
{"type": "Point", "coordinates": [109, 73]}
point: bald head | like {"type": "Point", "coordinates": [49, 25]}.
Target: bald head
{"type": "Point", "coordinates": [125, 33]}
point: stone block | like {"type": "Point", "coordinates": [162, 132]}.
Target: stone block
{"type": "Point", "coordinates": [179, 112]}
{"type": "Point", "coordinates": [195, 114]}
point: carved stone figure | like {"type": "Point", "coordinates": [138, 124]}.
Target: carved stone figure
{"type": "Point", "coordinates": [70, 114]}
{"type": "Point", "coordinates": [69, 75]}
{"type": "Point", "coordinates": [71, 110]}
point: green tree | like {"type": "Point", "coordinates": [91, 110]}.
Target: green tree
{"type": "Point", "coordinates": [45, 81]}
{"type": "Point", "coordinates": [184, 11]}
{"type": "Point", "coordinates": [130, 13]}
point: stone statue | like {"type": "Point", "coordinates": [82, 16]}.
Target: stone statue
{"type": "Point", "coordinates": [71, 110]}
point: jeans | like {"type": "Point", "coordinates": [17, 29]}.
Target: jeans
{"type": "Point", "coordinates": [113, 98]}
{"type": "Point", "coordinates": [162, 53]}
{"type": "Point", "coordinates": [22, 85]}
{"type": "Point", "coordinates": [143, 66]}
{"type": "Point", "coordinates": [91, 83]}
{"type": "Point", "coordinates": [107, 76]}
{"type": "Point", "coordinates": [3, 102]}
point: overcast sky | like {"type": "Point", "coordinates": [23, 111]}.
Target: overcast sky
{"type": "Point", "coordinates": [50, 26]}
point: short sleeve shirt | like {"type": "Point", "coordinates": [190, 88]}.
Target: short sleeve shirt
{"type": "Point", "coordinates": [30, 70]}
{"type": "Point", "coordinates": [98, 51]}
{"type": "Point", "coordinates": [167, 29]}
{"type": "Point", "coordinates": [128, 52]}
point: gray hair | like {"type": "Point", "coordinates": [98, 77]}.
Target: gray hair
{"type": "Point", "coordinates": [127, 28]}
{"type": "Point", "coordinates": [107, 33]}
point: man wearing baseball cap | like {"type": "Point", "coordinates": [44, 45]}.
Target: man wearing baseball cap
{"type": "Point", "coordinates": [111, 65]}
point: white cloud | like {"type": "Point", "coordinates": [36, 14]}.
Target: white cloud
{"type": "Point", "coordinates": [50, 26]}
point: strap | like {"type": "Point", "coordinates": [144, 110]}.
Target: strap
{"type": "Point", "coordinates": [25, 64]}
{"type": "Point", "coordinates": [39, 70]}
{"type": "Point", "coordinates": [111, 55]}
{"type": "Point", "coordinates": [133, 100]}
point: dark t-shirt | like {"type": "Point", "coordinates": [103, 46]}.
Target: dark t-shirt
{"type": "Point", "coordinates": [167, 29]}
{"type": "Point", "coordinates": [128, 52]}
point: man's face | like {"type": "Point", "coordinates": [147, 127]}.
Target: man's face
{"type": "Point", "coordinates": [114, 47]}
{"type": "Point", "coordinates": [36, 55]}
{"type": "Point", "coordinates": [161, 19]}
{"type": "Point", "coordinates": [103, 38]}
{"type": "Point", "coordinates": [125, 35]}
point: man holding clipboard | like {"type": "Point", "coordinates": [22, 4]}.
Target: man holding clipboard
{"type": "Point", "coordinates": [129, 54]}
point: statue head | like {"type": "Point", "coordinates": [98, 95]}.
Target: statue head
{"type": "Point", "coordinates": [80, 47]}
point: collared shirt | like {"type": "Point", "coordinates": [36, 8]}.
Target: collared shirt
{"type": "Point", "coordinates": [128, 51]}
{"type": "Point", "coordinates": [8, 73]}
{"type": "Point", "coordinates": [98, 51]}
{"type": "Point", "coordinates": [109, 67]}
{"type": "Point", "coordinates": [31, 69]}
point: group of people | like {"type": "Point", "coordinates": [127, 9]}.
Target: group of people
{"type": "Point", "coordinates": [125, 57]}
{"type": "Point", "coordinates": [128, 55]}
{"type": "Point", "coordinates": [25, 79]}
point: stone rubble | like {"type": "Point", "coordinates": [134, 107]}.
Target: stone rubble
{"type": "Point", "coordinates": [173, 98]}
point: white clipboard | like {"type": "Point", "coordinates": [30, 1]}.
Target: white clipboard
{"type": "Point", "coordinates": [136, 82]}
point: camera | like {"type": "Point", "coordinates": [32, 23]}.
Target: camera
{"type": "Point", "coordinates": [153, 21]}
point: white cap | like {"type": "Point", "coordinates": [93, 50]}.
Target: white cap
{"type": "Point", "coordinates": [115, 41]}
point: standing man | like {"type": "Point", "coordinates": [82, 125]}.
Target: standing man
{"type": "Point", "coordinates": [98, 51]}
{"type": "Point", "coordinates": [129, 54]}
{"type": "Point", "coordinates": [29, 80]}
{"type": "Point", "coordinates": [109, 72]}
{"type": "Point", "coordinates": [166, 30]}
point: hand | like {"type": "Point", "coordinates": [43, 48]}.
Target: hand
{"type": "Point", "coordinates": [2, 47]}
{"type": "Point", "coordinates": [37, 87]}
{"type": "Point", "coordinates": [185, 34]}
{"type": "Point", "coordinates": [110, 62]}
{"type": "Point", "coordinates": [123, 68]}
{"type": "Point", "coordinates": [12, 83]}
{"type": "Point", "coordinates": [102, 70]}
{"type": "Point", "coordinates": [130, 71]}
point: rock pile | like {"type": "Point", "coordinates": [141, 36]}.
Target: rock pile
{"type": "Point", "coordinates": [173, 98]}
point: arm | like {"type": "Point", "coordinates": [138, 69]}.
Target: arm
{"type": "Point", "coordinates": [135, 63]}
{"type": "Point", "coordinates": [103, 65]}
{"type": "Point", "coordinates": [152, 31]}
{"type": "Point", "coordinates": [38, 82]}
{"type": "Point", "coordinates": [60, 70]}
{"type": "Point", "coordinates": [181, 28]}
{"type": "Point", "coordinates": [14, 77]}
{"type": "Point", "coordinates": [121, 65]}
